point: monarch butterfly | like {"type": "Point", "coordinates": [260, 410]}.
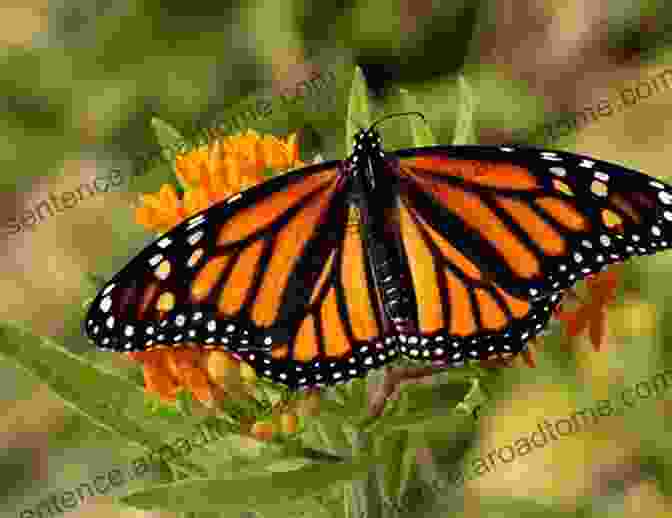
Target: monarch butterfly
{"type": "Point", "coordinates": [442, 253]}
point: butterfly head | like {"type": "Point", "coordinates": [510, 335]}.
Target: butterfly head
{"type": "Point", "coordinates": [367, 145]}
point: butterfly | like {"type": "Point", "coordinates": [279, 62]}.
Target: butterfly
{"type": "Point", "coordinates": [444, 254]}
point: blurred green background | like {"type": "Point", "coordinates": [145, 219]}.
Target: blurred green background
{"type": "Point", "coordinates": [81, 80]}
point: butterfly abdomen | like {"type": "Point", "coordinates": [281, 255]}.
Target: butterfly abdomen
{"type": "Point", "coordinates": [391, 284]}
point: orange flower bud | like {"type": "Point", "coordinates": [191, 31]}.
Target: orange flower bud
{"type": "Point", "coordinates": [288, 423]}
{"type": "Point", "coordinates": [263, 430]}
{"type": "Point", "coordinates": [178, 360]}
{"type": "Point", "coordinates": [197, 382]}
{"type": "Point", "coordinates": [183, 364]}
{"type": "Point", "coordinates": [223, 368]}
{"type": "Point", "coordinates": [158, 379]}
{"type": "Point", "coordinates": [247, 373]}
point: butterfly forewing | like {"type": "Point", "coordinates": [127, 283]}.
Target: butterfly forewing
{"type": "Point", "coordinates": [274, 274]}
{"type": "Point", "coordinates": [536, 221]}
{"type": "Point", "coordinates": [206, 274]}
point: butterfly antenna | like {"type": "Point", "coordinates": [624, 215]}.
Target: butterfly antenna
{"type": "Point", "coordinates": [397, 115]}
{"type": "Point", "coordinates": [356, 124]}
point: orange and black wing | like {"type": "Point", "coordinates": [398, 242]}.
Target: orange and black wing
{"type": "Point", "coordinates": [462, 313]}
{"type": "Point", "coordinates": [273, 274]}
{"type": "Point", "coordinates": [534, 221]}
{"type": "Point", "coordinates": [340, 334]}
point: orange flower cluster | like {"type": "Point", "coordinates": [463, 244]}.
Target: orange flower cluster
{"type": "Point", "coordinates": [208, 175]}
{"type": "Point", "coordinates": [592, 315]}
{"type": "Point", "coordinates": [207, 374]}
{"type": "Point", "coordinates": [285, 417]}
{"type": "Point", "coordinates": [212, 173]}
{"type": "Point", "coordinates": [214, 375]}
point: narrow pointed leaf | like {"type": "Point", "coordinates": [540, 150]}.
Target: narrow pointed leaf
{"type": "Point", "coordinates": [365, 499]}
{"type": "Point", "coordinates": [465, 131]}
{"type": "Point", "coordinates": [332, 435]}
{"type": "Point", "coordinates": [332, 411]}
{"type": "Point", "coordinates": [359, 115]}
{"type": "Point", "coordinates": [170, 140]}
{"type": "Point", "coordinates": [265, 493]}
{"type": "Point", "coordinates": [408, 470]}
{"type": "Point", "coordinates": [172, 143]}
{"type": "Point", "coordinates": [106, 399]}
{"type": "Point", "coordinates": [390, 449]}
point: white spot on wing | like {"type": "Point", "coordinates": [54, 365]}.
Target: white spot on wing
{"type": "Point", "coordinates": [549, 155]}
{"type": "Point", "coordinates": [665, 197]}
{"type": "Point", "coordinates": [106, 304]}
{"type": "Point", "coordinates": [195, 237]}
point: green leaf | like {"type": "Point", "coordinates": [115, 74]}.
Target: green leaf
{"type": "Point", "coordinates": [465, 132]}
{"type": "Point", "coordinates": [172, 143]}
{"type": "Point", "coordinates": [351, 502]}
{"type": "Point", "coordinates": [359, 114]}
{"type": "Point", "coordinates": [184, 403]}
{"type": "Point", "coordinates": [408, 470]}
{"type": "Point", "coordinates": [357, 389]}
{"type": "Point", "coordinates": [106, 399]}
{"type": "Point", "coordinates": [420, 130]}
{"type": "Point", "coordinates": [231, 458]}
{"type": "Point", "coordinates": [397, 453]}
{"type": "Point", "coordinates": [274, 492]}
{"type": "Point", "coordinates": [331, 434]}
{"type": "Point", "coordinates": [390, 450]}
{"type": "Point", "coordinates": [151, 175]}
{"type": "Point", "coordinates": [475, 398]}
{"type": "Point", "coordinates": [362, 498]}
{"type": "Point", "coordinates": [334, 411]}
{"type": "Point", "coordinates": [170, 140]}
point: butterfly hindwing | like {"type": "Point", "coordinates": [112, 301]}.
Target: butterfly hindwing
{"type": "Point", "coordinates": [462, 314]}
{"type": "Point", "coordinates": [536, 221]}
{"type": "Point", "coordinates": [341, 333]}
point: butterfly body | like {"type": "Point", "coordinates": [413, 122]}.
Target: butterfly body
{"type": "Point", "coordinates": [442, 254]}
{"type": "Point", "coordinates": [374, 196]}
